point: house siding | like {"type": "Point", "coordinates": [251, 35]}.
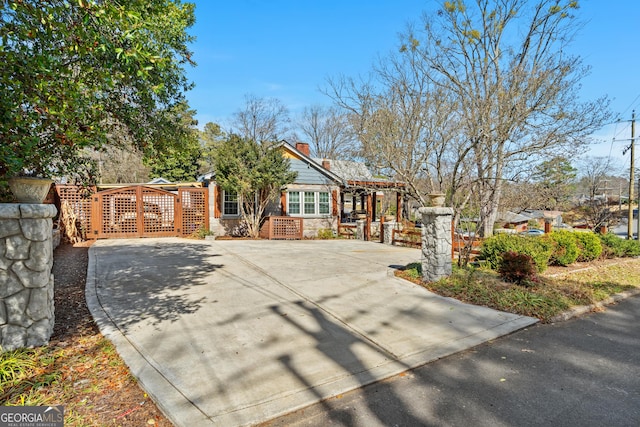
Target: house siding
{"type": "Point", "coordinates": [308, 174]}
{"type": "Point", "coordinates": [310, 177]}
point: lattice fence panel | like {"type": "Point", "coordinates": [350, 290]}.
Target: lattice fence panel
{"type": "Point", "coordinates": [159, 212]}
{"type": "Point", "coordinates": [194, 206]}
{"type": "Point", "coordinates": [285, 228]}
{"type": "Point", "coordinates": [75, 211]}
{"type": "Point", "coordinates": [118, 213]}
{"type": "Point", "coordinates": [136, 211]}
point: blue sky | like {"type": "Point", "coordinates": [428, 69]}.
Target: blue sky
{"type": "Point", "coordinates": [286, 49]}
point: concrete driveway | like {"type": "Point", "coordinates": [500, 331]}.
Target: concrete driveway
{"type": "Point", "coordinates": [239, 332]}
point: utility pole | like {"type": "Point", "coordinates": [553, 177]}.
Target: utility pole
{"type": "Point", "coordinates": [632, 180]}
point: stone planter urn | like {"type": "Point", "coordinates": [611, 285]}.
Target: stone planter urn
{"type": "Point", "coordinates": [30, 189]}
{"type": "Point", "coordinates": [437, 199]}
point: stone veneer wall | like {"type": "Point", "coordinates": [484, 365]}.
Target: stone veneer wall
{"type": "Point", "coordinates": [26, 282]}
{"type": "Point", "coordinates": [436, 242]}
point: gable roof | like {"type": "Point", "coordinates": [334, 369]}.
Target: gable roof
{"type": "Point", "coordinates": [159, 180]}
{"type": "Point", "coordinates": [306, 162]}
{"type": "Point", "coordinates": [313, 171]}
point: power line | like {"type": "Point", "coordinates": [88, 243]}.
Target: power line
{"type": "Point", "coordinates": [631, 106]}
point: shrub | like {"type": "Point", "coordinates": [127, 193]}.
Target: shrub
{"type": "Point", "coordinates": [325, 233]}
{"type": "Point", "coordinates": [517, 268]}
{"type": "Point", "coordinates": [614, 246]}
{"type": "Point", "coordinates": [632, 248]}
{"type": "Point", "coordinates": [589, 245]}
{"type": "Point", "coordinates": [537, 248]}
{"type": "Point", "coordinates": [565, 248]}
{"type": "Point", "coordinates": [201, 232]}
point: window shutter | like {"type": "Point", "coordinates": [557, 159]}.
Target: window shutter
{"type": "Point", "coordinates": [218, 202]}
{"type": "Point", "coordinates": [283, 203]}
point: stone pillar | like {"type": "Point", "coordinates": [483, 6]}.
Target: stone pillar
{"type": "Point", "coordinates": [26, 282]}
{"type": "Point", "coordinates": [387, 231]}
{"type": "Point", "coordinates": [360, 224]}
{"type": "Point", "coordinates": [436, 242]}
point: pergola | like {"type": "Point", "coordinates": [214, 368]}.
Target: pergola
{"type": "Point", "coordinates": [364, 191]}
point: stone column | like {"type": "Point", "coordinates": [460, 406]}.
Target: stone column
{"type": "Point", "coordinates": [360, 224]}
{"type": "Point", "coordinates": [436, 242]}
{"type": "Point", "coordinates": [387, 231]}
{"type": "Point", "coordinates": [26, 282]}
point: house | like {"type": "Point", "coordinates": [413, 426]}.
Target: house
{"type": "Point", "coordinates": [553, 218]}
{"type": "Point", "coordinates": [159, 181]}
{"type": "Point", "coordinates": [512, 221]}
{"type": "Point", "coordinates": [324, 193]}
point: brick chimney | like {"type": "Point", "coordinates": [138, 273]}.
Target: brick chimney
{"type": "Point", "coordinates": [326, 164]}
{"type": "Point", "coordinates": [303, 147]}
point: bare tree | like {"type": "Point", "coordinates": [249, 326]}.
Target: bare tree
{"type": "Point", "coordinates": [328, 132]}
{"type": "Point", "coordinates": [402, 121]}
{"type": "Point", "coordinates": [120, 165]}
{"type": "Point", "coordinates": [505, 64]}
{"type": "Point", "coordinates": [479, 91]}
{"type": "Point", "coordinates": [595, 178]}
{"type": "Point", "coordinates": [262, 120]}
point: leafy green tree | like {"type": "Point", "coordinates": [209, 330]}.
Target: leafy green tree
{"type": "Point", "coordinates": [554, 182]}
{"type": "Point", "coordinates": [210, 137]}
{"type": "Point", "coordinates": [85, 74]}
{"type": "Point", "coordinates": [255, 172]}
{"type": "Point", "coordinates": [177, 164]}
{"type": "Point", "coordinates": [180, 161]}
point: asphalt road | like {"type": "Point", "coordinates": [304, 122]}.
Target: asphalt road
{"type": "Point", "coordinates": [582, 372]}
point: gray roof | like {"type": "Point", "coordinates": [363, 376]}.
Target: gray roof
{"type": "Point", "coordinates": [159, 181]}
{"type": "Point", "coordinates": [351, 171]}
{"type": "Point", "coordinates": [512, 217]}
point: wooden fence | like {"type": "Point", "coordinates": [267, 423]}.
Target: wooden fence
{"type": "Point", "coordinates": [408, 236]}
{"type": "Point", "coordinates": [347, 231]}
{"type": "Point", "coordinates": [282, 228]}
{"type": "Point", "coordinates": [132, 211]}
{"type": "Point", "coordinates": [462, 243]}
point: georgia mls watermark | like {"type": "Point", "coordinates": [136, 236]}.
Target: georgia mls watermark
{"type": "Point", "coordinates": [32, 416]}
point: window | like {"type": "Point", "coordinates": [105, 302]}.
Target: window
{"type": "Point", "coordinates": [323, 203]}
{"type": "Point", "coordinates": [294, 203]}
{"type": "Point", "coordinates": [230, 204]}
{"type": "Point", "coordinates": [308, 203]}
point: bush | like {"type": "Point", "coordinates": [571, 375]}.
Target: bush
{"type": "Point", "coordinates": [517, 268]}
{"type": "Point", "coordinates": [614, 246]}
{"type": "Point", "coordinates": [589, 245]}
{"type": "Point", "coordinates": [538, 249]}
{"type": "Point", "coordinates": [325, 233]}
{"type": "Point", "coordinates": [565, 248]}
{"type": "Point", "coordinates": [201, 232]}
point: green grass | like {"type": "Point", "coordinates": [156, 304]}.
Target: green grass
{"type": "Point", "coordinates": [548, 297]}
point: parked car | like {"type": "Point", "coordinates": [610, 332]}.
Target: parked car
{"type": "Point", "coordinates": [532, 232]}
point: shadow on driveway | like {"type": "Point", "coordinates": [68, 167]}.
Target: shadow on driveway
{"type": "Point", "coordinates": [240, 332]}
